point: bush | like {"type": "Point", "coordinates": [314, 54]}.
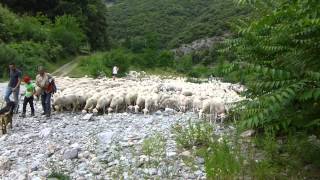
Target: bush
{"type": "Point", "coordinates": [184, 64]}
{"type": "Point", "coordinates": [222, 162]}
{"type": "Point", "coordinates": [30, 28]}
{"type": "Point", "coordinates": [7, 55]}
{"type": "Point", "coordinates": [165, 59]}
{"type": "Point", "coordinates": [27, 63]}
{"type": "Point", "coordinates": [102, 63]}
{"type": "Point", "coordinates": [68, 34]}
{"type": "Point", "coordinates": [199, 71]}
{"type": "Point", "coordinates": [118, 57]}
{"type": "Point", "coordinates": [195, 134]}
{"type": "Point", "coordinates": [9, 24]}
{"type": "Point", "coordinates": [154, 146]}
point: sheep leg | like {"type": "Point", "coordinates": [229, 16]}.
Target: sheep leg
{"type": "Point", "coordinates": [74, 107]}
{"type": "Point", "coordinates": [215, 117]}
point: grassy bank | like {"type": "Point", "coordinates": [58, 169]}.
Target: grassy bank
{"type": "Point", "coordinates": [159, 62]}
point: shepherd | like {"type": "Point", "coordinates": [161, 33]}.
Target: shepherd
{"type": "Point", "coordinates": [13, 85]}
{"type": "Point", "coordinates": [46, 85]}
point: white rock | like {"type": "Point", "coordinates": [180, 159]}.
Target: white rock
{"type": "Point", "coordinates": [186, 153]}
{"type": "Point", "coordinates": [45, 132]}
{"type": "Point", "coordinates": [87, 117]}
{"type": "Point", "coordinates": [248, 133]}
{"type": "Point", "coordinates": [158, 113]}
{"type": "Point", "coordinates": [34, 166]}
{"type": "Point", "coordinates": [3, 137]}
{"type": "Point", "coordinates": [169, 111]}
{"type": "Point", "coordinates": [71, 154]}
{"type": "Point", "coordinates": [105, 137]}
{"type": "Point", "coordinates": [4, 163]}
{"type": "Point", "coordinates": [171, 154]}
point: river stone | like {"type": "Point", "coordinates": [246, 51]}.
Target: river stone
{"type": "Point", "coordinates": [248, 133]}
{"type": "Point", "coordinates": [34, 166]}
{"type": "Point", "coordinates": [4, 163]}
{"type": "Point", "coordinates": [87, 117]}
{"type": "Point", "coordinates": [169, 110]}
{"type": "Point", "coordinates": [71, 153]}
{"type": "Point", "coordinates": [186, 154]}
{"type": "Point", "coordinates": [105, 137]}
{"type": "Point", "coordinates": [171, 154]}
{"type": "Point", "coordinates": [45, 132]}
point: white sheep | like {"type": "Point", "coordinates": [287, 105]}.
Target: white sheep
{"type": "Point", "coordinates": [139, 103]}
{"type": "Point", "coordinates": [171, 103]}
{"type": "Point", "coordinates": [102, 103]}
{"type": "Point", "coordinates": [117, 104]}
{"type": "Point", "coordinates": [130, 100]}
{"type": "Point", "coordinates": [65, 102]}
{"type": "Point", "coordinates": [91, 103]}
{"type": "Point", "coordinates": [185, 104]}
{"type": "Point", "coordinates": [213, 108]}
{"type": "Point", "coordinates": [196, 104]}
{"type": "Point", "coordinates": [149, 105]}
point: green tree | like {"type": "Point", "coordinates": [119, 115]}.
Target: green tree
{"type": "Point", "coordinates": [67, 33]}
{"type": "Point", "coordinates": [278, 55]}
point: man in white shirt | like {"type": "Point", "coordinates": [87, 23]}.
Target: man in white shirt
{"type": "Point", "coordinates": [45, 89]}
{"type": "Point", "coordinates": [115, 70]}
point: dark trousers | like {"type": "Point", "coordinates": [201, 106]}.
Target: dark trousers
{"type": "Point", "coordinates": [46, 103]}
{"type": "Point", "coordinates": [25, 102]}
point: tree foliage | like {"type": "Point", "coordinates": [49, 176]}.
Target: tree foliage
{"type": "Point", "coordinates": [31, 41]}
{"type": "Point", "coordinates": [90, 14]}
{"type": "Point", "coordinates": [277, 55]}
{"type": "Point", "coordinates": [172, 22]}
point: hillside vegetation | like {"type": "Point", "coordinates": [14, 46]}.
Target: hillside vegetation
{"type": "Point", "coordinates": [41, 33]}
{"type": "Point", "coordinates": [170, 23]}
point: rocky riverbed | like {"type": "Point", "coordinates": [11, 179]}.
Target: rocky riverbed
{"type": "Point", "coordinates": [110, 146]}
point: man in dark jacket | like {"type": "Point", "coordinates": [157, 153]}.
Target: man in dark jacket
{"type": "Point", "coordinates": [13, 85]}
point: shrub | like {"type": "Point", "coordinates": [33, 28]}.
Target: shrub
{"type": "Point", "coordinates": [165, 59]}
{"type": "Point", "coordinates": [68, 34]}
{"type": "Point", "coordinates": [9, 24]}
{"type": "Point", "coordinates": [184, 64]}
{"type": "Point", "coordinates": [195, 134]}
{"type": "Point", "coordinates": [27, 63]}
{"type": "Point", "coordinates": [30, 28]}
{"type": "Point", "coordinates": [154, 146]}
{"type": "Point", "coordinates": [277, 54]}
{"type": "Point", "coordinates": [7, 55]}
{"type": "Point", "coordinates": [102, 63]}
{"type": "Point", "coordinates": [199, 71]}
{"type": "Point", "coordinates": [222, 162]}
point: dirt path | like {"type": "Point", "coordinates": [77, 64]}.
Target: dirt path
{"type": "Point", "coordinates": [67, 68]}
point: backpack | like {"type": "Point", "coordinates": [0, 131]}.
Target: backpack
{"type": "Point", "coordinates": [52, 88]}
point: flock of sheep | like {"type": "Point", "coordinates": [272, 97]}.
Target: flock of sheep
{"type": "Point", "coordinates": [145, 94]}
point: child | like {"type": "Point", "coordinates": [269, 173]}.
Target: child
{"type": "Point", "coordinates": [28, 97]}
{"type": "Point", "coordinates": [115, 70]}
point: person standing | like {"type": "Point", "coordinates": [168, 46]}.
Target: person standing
{"type": "Point", "coordinates": [45, 83]}
{"type": "Point", "coordinates": [115, 70]}
{"type": "Point", "coordinates": [13, 85]}
{"type": "Point", "coordinates": [28, 96]}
